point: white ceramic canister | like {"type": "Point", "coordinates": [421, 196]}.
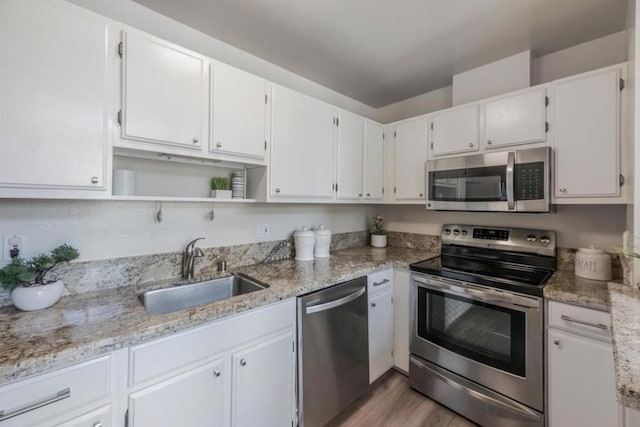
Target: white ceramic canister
{"type": "Point", "coordinates": [593, 263]}
{"type": "Point", "coordinates": [323, 242]}
{"type": "Point", "coordinates": [304, 241]}
{"type": "Point", "coordinates": [124, 182]}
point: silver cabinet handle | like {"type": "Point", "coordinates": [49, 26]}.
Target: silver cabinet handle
{"type": "Point", "coordinates": [489, 142]}
{"type": "Point", "coordinates": [277, 190]}
{"type": "Point", "coordinates": [584, 322]}
{"type": "Point", "coordinates": [471, 144]}
{"type": "Point", "coordinates": [216, 373]}
{"type": "Point", "coordinates": [556, 342]}
{"type": "Point", "coordinates": [359, 194]}
{"type": "Point", "coordinates": [368, 194]}
{"type": "Point", "coordinates": [563, 190]}
{"type": "Point", "coordinates": [94, 179]}
{"type": "Point", "coordinates": [243, 362]}
{"type": "Point", "coordinates": [382, 282]}
{"type": "Point", "coordinates": [421, 194]}
{"type": "Point", "coordinates": [218, 144]}
{"type": "Point", "coordinates": [62, 394]}
{"type": "Point", "coordinates": [98, 424]}
{"type": "Point", "coordinates": [373, 304]}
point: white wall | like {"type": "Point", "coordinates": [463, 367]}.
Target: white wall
{"type": "Point", "coordinates": [576, 226]}
{"type": "Point", "coordinates": [137, 16]}
{"type": "Point", "coordinates": [105, 229]}
{"type": "Point", "coordinates": [421, 104]}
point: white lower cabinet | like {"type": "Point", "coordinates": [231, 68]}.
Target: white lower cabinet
{"type": "Point", "coordinates": [581, 378]}
{"type": "Point", "coordinates": [193, 398]}
{"type": "Point", "coordinates": [401, 282]}
{"type": "Point", "coordinates": [262, 383]}
{"type": "Point", "coordinates": [380, 286]}
{"type": "Point", "coordinates": [100, 417]}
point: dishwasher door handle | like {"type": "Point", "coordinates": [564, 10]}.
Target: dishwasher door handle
{"type": "Point", "coordinates": [310, 309]}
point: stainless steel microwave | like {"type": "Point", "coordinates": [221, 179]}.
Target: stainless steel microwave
{"type": "Point", "coordinates": [508, 181]}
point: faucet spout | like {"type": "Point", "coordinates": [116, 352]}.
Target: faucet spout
{"type": "Point", "coordinates": [191, 252]}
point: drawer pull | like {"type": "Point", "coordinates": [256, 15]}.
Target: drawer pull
{"type": "Point", "coordinates": [584, 322]}
{"type": "Point", "coordinates": [62, 394]}
{"type": "Point", "coordinates": [380, 283]}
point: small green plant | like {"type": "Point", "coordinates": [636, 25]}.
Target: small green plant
{"type": "Point", "coordinates": [32, 272]}
{"type": "Point", "coordinates": [220, 183]}
{"type": "Point", "coordinates": [377, 226]}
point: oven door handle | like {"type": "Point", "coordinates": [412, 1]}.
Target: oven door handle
{"type": "Point", "coordinates": [488, 296]}
{"type": "Point", "coordinates": [513, 407]}
{"type": "Point", "coordinates": [511, 161]}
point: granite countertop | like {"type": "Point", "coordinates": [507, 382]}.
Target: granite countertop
{"type": "Point", "coordinates": [565, 286]}
{"type": "Point", "coordinates": [625, 328]}
{"type": "Point", "coordinates": [82, 326]}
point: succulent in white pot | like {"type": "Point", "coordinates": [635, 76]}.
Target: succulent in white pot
{"type": "Point", "coordinates": [378, 233]}
{"type": "Point", "coordinates": [26, 279]}
{"type": "Point", "coordinates": [220, 188]}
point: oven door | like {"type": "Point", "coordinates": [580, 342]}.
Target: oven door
{"type": "Point", "coordinates": [489, 336]}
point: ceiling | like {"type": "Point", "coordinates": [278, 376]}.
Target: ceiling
{"type": "Point", "coordinates": [383, 51]}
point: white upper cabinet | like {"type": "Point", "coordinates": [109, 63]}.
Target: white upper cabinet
{"type": "Point", "coordinates": [238, 115]}
{"type": "Point", "coordinates": [303, 134]}
{"type": "Point", "coordinates": [373, 161]}
{"type": "Point", "coordinates": [587, 135]}
{"type": "Point", "coordinates": [53, 97]}
{"type": "Point", "coordinates": [410, 159]}
{"type": "Point", "coordinates": [454, 131]}
{"type": "Point", "coordinates": [350, 156]}
{"type": "Point", "coordinates": [515, 119]}
{"type": "Point", "coordinates": [164, 92]}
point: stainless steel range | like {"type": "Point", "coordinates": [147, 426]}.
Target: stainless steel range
{"type": "Point", "coordinates": [477, 323]}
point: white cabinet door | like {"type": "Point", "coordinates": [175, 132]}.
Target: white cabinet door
{"type": "Point", "coordinates": [373, 161]}
{"type": "Point", "coordinates": [581, 381]}
{"type": "Point", "coordinates": [164, 92]}
{"type": "Point", "coordinates": [98, 418]}
{"type": "Point", "coordinates": [350, 156]}
{"type": "Point", "coordinates": [53, 96]}
{"type": "Point", "coordinates": [238, 113]}
{"type": "Point", "coordinates": [194, 398]}
{"type": "Point", "coordinates": [302, 146]}
{"type": "Point", "coordinates": [401, 319]}
{"type": "Point", "coordinates": [454, 131]}
{"type": "Point", "coordinates": [410, 159]}
{"type": "Point", "coordinates": [263, 383]}
{"type": "Point", "coordinates": [380, 334]}
{"type": "Point", "coordinates": [516, 119]}
{"type": "Point", "coordinates": [587, 127]}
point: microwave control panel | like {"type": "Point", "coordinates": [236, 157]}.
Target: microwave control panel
{"type": "Point", "coordinates": [529, 181]}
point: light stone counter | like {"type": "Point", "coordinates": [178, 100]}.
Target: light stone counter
{"type": "Point", "coordinates": [625, 327]}
{"type": "Point", "coordinates": [564, 286]}
{"type": "Point", "coordinates": [86, 325]}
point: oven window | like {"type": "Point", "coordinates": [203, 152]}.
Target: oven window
{"type": "Point", "coordinates": [486, 333]}
{"type": "Point", "coordinates": [486, 184]}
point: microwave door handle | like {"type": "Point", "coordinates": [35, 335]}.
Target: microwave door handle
{"type": "Point", "coordinates": [511, 200]}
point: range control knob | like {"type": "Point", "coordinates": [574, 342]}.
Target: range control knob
{"type": "Point", "coordinates": [447, 231]}
{"type": "Point", "coordinates": [545, 240]}
{"type": "Point", "coordinates": [456, 232]}
{"type": "Point", "coordinates": [531, 238]}
{"type": "Point", "coordinates": [464, 232]}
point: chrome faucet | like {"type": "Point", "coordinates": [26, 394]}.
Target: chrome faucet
{"type": "Point", "coordinates": [191, 252]}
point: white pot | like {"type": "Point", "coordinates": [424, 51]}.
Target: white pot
{"type": "Point", "coordinates": [221, 194]}
{"type": "Point", "coordinates": [379, 240]}
{"type": "Point", "coordinates": [37, 297]}
{"type": "Point", "coordinates": [593, 263]}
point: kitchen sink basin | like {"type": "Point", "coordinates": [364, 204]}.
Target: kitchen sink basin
{"type": "Point", "coordinates": [200, 293]}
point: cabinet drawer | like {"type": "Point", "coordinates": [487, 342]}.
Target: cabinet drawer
{"type": "Point", "coordinates": [380, 280]}
{"type": "Point", "coordinates": [580, 320]}
{"type": "Point", "coordinates": [165, 355]}
{"type": "Point", "coordinates": [100, 417]}
{"type": "Point", "coordinates": [43, 397]}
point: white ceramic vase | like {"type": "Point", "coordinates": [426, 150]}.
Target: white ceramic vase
{"type": "Point", "coordinates": [221, 194]}
{"type": "Point", "coordinates": [379, 240]}
{"type": "Point", "coordinates": [37, 297]}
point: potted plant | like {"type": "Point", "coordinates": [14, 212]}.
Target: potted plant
{"type": "Point", "coordinates": [220, 188]}
{"type": "Point", "coordinates": [378, 233]}
{"type": "Point", "coordinates": [26, 279]}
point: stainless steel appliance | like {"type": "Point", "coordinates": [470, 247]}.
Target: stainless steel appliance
{"type": "Point", "coordinates": [333, 356]}
{"type": "Point", "coordinates": [477, 324]}
{"type": "Point", "coordinates": [509, 181]}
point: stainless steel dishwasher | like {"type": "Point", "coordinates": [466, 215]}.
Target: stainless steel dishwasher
{"type": "Point", "coordinates": [333, 358]}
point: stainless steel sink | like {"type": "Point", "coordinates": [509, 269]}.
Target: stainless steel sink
{"type": "Point", "coordinates": [193, 294]}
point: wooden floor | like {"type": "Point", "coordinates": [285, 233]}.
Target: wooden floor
{"type": "Point", "coordinates": [393, 403]}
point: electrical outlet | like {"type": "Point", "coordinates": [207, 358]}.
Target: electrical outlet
{"type": "Point", "coordinates": [262, 231]}
{"type": "Point", "coordinates": [14, 244]}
